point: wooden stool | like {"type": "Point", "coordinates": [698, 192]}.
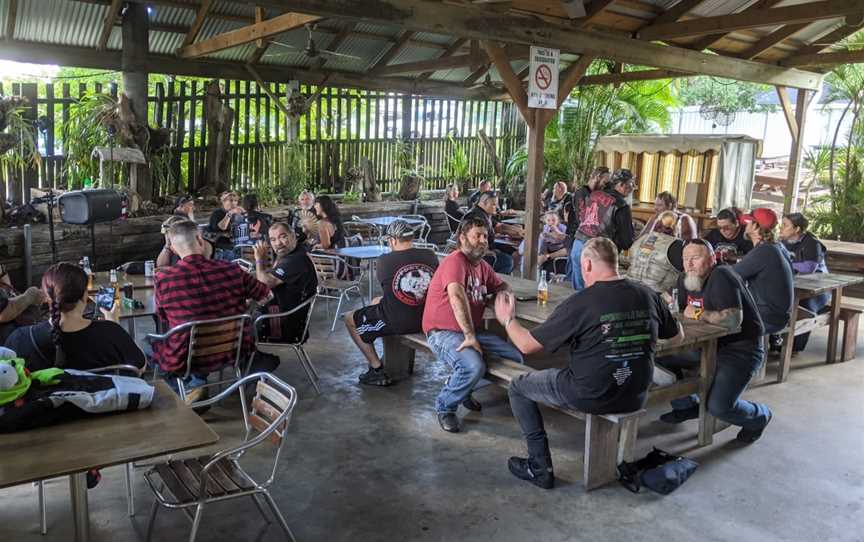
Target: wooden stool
{"type": "Point", "coordinates": [849, 316]}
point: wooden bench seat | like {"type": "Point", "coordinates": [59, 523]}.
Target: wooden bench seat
{"type": "Point", "coordinates": [609, 438]}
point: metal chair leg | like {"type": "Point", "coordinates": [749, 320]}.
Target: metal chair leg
{"type": "Point", "coordinates": [261, 508]}
{"type": "Point", "coordinates": [181, 388]}
{"type": "Point", "coordinates": [43, 507]}
{"type": "Point", "coordinates": [279, 516]}
{"type": "Point", "coordinates": [242, 392]}
{"type": "Point", "coordinates": [130, 487]}
{"type": "Point", "coordinates": [309, 361]}
{"type": "Point", "coordinates": [196, 522]}
{"type": "Point", "coordinates": [152, 520]}
{"type": "Point", "coordinates": [336, 316]}
{"type": "Point", "coordinates": [313, 378]}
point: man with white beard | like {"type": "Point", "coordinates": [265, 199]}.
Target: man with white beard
{"type": "Point", "coordinates": [717, 295]}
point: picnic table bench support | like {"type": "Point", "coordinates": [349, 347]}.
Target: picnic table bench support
{"type": "Point", "coordinates": [707, 367]}
{"type": "Point", "coordinates": [398, 357]}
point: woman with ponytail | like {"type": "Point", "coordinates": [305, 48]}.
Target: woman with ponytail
{"type": "Point", "coordinates": [69, 339]}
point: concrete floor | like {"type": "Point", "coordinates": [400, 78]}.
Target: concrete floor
{"type": "Point", "coordinates": [372, 464]}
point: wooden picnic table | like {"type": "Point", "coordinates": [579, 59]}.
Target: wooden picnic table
{"type": "Point", "coordinates": [698, 335]}
{"type": "Point", "coordinates": [73, 448]}
{"type": "Point", "coordinates": [812, 285]}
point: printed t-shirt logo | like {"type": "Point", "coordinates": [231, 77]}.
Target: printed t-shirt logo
{"type": "Point", "coordinates": [697, 302]}
{"type": "Point", "coordinates": [411, 283]}
{"type": "Point", "coordinates": [475, 289]}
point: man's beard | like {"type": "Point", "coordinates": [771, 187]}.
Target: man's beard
{"type": "Point", "coordinates": [191, 215]}
{"type": "Point", "coordinates": [693, 283]}
{"type": "Point", "coordinates": [475, 252]}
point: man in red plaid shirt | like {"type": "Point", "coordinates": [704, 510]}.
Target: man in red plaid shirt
{"type": "Point", "coordinates": [199, 289]}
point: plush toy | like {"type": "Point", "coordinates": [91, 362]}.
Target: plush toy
{"type": "Point", "coordinates": [8, 375]}
{"type": "Point", "coordinates": [14, 380]}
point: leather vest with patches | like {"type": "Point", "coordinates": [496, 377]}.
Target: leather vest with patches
{"type": "Point", "coordinates": [595, 218]}
{"type": "Point", "coordinates": [649, 262]}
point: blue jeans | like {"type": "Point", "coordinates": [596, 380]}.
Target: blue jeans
{"type": "Point", "coordinates": [736, 365]}
{"type": "Point", "coordinates": [574, 271]}
{"type": "Point", "coordinates": [525, 393]}
{"type": "Point", "coordinates": [468, 366]}
{"type": "Point", "coordinates": [194, 380]}
{"type": "Point", "coordinates": [814, 305]}
{"type": "Point", "coordinates": [501, 263]}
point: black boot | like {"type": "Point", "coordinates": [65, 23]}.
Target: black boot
{"type": "Point", "coordinates": [535, 470]}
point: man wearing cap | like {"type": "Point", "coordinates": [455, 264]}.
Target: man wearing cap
{"type": "Point", "coordinates": [606, 213]}
{"type": "Point", "coordinates": [767, 270]}
{"type": "Point", "coordinates": [482, 188]}
{"type": "Point", "coordinates": [717, 295]}
{"type": "Point", "coordinates": [405, 274]}
{"type": "Point", "coordinates": [222, 223]}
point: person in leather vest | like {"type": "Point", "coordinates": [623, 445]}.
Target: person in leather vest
{"type": "Point", "coordinates": [655, 258]}
{"type": "Point", "coordinates": [606, 214]}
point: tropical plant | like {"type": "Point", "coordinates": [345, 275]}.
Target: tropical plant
{"type": "Point", "coordinates": [458, 165]}
{"type": "Point", "coordinates": [83, 132]}
{"type": "Point", "coordinates": [18, 140]}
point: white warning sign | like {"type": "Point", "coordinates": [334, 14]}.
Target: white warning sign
{"type": "Point", "coordinates": [543, 78]}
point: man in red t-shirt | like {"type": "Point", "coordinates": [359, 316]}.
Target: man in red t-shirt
{"type": "Point", "coordinates": [454, 310]}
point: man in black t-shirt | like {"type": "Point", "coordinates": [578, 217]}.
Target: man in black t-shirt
{"type": "Point", "coordinates": [405, 275]}
{"type": "Point", "coordinates": [717, 295]}
{"type": "Point", "coordinates": [222, 224]}
{"type": "Point", "coordinates": [611, 328]}
{"type": "Point", "coordinates": [482, 188]}
{"type": "Point", "coordinates": [292, 280]}
{"type": "Point", "coordinates": [729, 241]}
{"type": "Point", "coordinates": [17, 310]}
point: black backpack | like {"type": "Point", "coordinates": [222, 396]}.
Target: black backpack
{"type": "Point", "coordinates": [659, 471]}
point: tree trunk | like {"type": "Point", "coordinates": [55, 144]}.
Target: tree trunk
{"type": "Point", "coordinates": [370, 187]}
{"type": "Point", "coordinates": [220, 119]}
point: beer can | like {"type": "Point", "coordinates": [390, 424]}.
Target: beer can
{"type": "Point", "coordinates": [128, 290]}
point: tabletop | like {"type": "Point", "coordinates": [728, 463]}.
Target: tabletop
{"type": "Point", "coordinates": [168, 426]}
{"type": "Point", "coordinates": [369, 252]}
{"type": "Point", "coordinates": [385, 221]}
{"type": "Point", "coordinates": [695, 331]}
{"type": "Point", "coordinates": [817, 283]}
{"type": "Point", "coordinates": [147, 298]}
{"type": "Point", "coordinates": [139, 281]}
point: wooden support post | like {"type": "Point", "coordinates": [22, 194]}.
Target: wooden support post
{"type": "Point", "coordinates": [136, 45]}
{"type": "Point", "coordinates": [790, 203]}
{"type": "Point", "coordinates": [293, 122]}
{"type": "Point", "coordinates": [538, 119]}
{"type": "Point", "coordinates": [406, 117]}
{"type": "Point", "coordinates": [30, 91]}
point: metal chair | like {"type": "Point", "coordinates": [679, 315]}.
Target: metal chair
{"type": "Point", "coordinates": [369, 233]}
{"type": "Point", "coordinates": [276, 348]}
{"type": "Point", "coordinates": [422, 230]}
{"type": "Point", "coordinates": [208, 338]}
{"type": "Point", "coordinates": [429, 246]}
{"type": "Point", "coordinates": [245, 265]}
{"type": "Point", "coordinates": [197, 482]}
{"type": "Point", "coordinates": [245, 252]}
{"type": "Point", "coordinates": [327, 267]}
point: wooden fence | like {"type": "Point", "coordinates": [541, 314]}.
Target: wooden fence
{"type": "Point", "coordinates": [341, 127]}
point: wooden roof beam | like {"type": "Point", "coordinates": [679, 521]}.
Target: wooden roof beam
{"type": "Point", "coordinates": [451, 50]}
{"type": "Point", "coordinates": [200, 17]}
{"type": "Point", "coordinates": [677, 11]}
{"type": "Point", "coordinates": [771, 40]}
{"type": "Point", "coordinates": [340, 38]}
{"type": "Point", "coordinates": [825, 59]}
{"type": "Point", "coordinates": [826, 41]}
{"type": "Point", "coordinates": [708, 41]}
{"type": "Point", "coordinates": [799, 13]}
{"type": "Point", "coordinates": [475, 59]}
{"type": "Point", "coordinates": [247, 34]}
{"type": "Point", "coordinates": [511, 82]}
{"type": "Point", "coordinates": [626, 77]}
{"type": "Point", "coordinates": [476, 23]}
{"type": "Point", "coordinates": [393, 51]}
{"type": "Point", "coordinates": [594, 9]}
{"type": "Point", "coordinates": [569, 77]}
{"type": "Point", "coordinates": [108, 24]}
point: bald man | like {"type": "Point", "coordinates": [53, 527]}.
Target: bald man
{"type": "Point", "coordinates": [611, 328]}
{"type": "Point", "coordinates": [557, 199]}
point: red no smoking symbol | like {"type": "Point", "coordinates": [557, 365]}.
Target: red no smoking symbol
{"type": "Point", "coordinates": [543, 77]}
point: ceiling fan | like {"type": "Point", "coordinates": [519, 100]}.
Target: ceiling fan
{"type": "Point", "coordinates": [311, 50]}
{"type": "Point", "coordinates": [486, 83]}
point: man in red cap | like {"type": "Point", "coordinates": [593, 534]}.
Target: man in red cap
{"type": "Point", "coordinates": [767, 270]}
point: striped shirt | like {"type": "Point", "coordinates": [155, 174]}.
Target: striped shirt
{"type": "Point", "coordinates": [200, 289]}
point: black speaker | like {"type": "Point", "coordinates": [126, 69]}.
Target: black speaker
{"type": "Point", "coordinates": [90, 206]}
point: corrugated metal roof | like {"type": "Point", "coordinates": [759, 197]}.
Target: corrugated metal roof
{"type": "Point", "coordinates": [60, 21]}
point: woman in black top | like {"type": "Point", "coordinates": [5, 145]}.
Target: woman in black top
{"type": "Point", "coordinates": [451, 207]}
{"type": "Point", "coordinates": [808, 256]}
{"type": "Point", "coordinates": [259, 223]}
{"type": "Point", "coordinates": [330, 234]}
{"type": "Point", "coordinates": [68, 339]}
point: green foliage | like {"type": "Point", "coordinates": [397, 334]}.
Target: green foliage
{"type": "Point", "coordinates": [722, 95]}
{"type": "Point", "coordinates": [351, 197]}
{"type": "Point", "coordinates": [25, 150]}
{"type": "Point", "coordinates": [82, 133]}
{"type": "Point", "coordinates": [291, 180]}
{"type": "Point", "coordinates": [458, 165]}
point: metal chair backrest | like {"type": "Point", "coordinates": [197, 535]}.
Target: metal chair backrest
{"type": "Point", "coordinates": [368, 232]}
{"type": "Point", "coordinates": [326, 266]}
{"type": "Point", "coordinates": [428, 246]}
{"type": "Point", "coordinates": [265, 317]}
{"type": "Point", "coordinates": [245, 252]}
{"type": "Point", "coordinates": [451, 220]}
{"type": "Point", "coordinates": [210, 337]}
{"type": "Point", "coordinates": [422, 229]}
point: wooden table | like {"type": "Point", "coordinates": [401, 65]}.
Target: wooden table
{"type": "Point", "coordinates": [371, 253]}
{"type": "Point", "coordinates": [145, 296]}
{"type": "Point", "coordinates": [697, 336]}
{"type": "Point", "coordinates": [71, 449]}
{"type": "Point", "coordinates": [812, 285]}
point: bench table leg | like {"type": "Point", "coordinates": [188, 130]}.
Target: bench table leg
{"type": "Point", "coordinates": [601, 452]}
{"type": "Point", "coordinates": [834, 326]}
{"type": "Point", "coordinates": [707, 368]}
{"type": "Point", "coordinates": [398, 358]}
{"type": "Point", "coordinates": [785, 364]}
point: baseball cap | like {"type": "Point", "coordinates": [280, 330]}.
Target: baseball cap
{"type": "Point", "coordinates": [182, 200]}
{"type": "Point", "coordinates": [399, 229]}
{"type": "Point", "coordinates": [170, 221]}
{"type": "Point", "coordinates": [623, 175]}
{"type": "Point", "coordinates": [765, 217]}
